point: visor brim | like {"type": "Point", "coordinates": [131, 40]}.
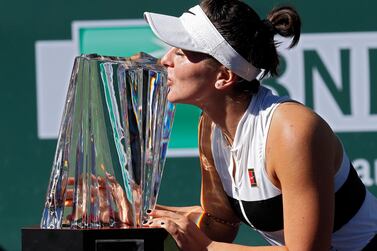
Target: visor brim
{"type": "Point", "coordinates": [171, 31]}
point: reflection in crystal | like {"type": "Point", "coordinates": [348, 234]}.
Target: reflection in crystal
{"type": "Point", "coordinates": [112, 144]}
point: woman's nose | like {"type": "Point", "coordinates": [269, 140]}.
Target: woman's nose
{"type": "Point", "coordinates": [166, 60]}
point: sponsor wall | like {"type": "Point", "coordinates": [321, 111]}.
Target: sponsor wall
{"type": "Point", "coordinates": [333, 70]}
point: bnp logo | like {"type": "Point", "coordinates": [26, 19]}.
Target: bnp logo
{"type": "Point", "coordinates": [336, 75]}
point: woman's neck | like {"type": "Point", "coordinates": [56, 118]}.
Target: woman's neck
{"type": "Point", "coordinates": [227, 114]}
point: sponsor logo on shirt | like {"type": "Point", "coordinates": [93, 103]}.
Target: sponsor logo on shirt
{"type": "Point", "coordinates": [253, 180]}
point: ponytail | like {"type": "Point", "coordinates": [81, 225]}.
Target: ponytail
{"type": "Point", "coordinates": [286, 22]}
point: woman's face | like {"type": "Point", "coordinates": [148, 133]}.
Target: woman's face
{"type": "Point", "coordinates": [191, 76]}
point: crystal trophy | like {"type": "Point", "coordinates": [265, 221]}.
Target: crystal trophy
{"type": "Point", "coordinates": [112, 144]}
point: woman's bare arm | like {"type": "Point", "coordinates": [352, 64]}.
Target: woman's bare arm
{"type": "Point", "coordinates": [303, 156]}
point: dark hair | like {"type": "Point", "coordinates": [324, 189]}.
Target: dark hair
{"type": "Point", "coordinates": [252, 37]}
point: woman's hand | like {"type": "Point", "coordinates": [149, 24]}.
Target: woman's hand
{"type": "Point", "coordinates": [193, 213]}
{"type": "Point", "coordinates": [108, 194]}
{"type": "Point", "coordinates": [184, 231]}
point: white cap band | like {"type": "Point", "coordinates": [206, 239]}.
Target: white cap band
{"type": "Point", "coordinates": [194, 31]}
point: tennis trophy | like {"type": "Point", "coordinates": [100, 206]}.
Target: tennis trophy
{"type": "Point", "coordinates": [109, 158]}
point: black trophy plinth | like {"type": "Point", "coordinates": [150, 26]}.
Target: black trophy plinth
{"type": "Point", "coordinates": [133, 239]}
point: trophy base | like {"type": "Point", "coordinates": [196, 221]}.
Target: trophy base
{"type": "Point", "coordinates": [132, 239]}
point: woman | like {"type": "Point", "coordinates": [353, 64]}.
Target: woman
{"type": "Point", "coordinates": [266, 160]}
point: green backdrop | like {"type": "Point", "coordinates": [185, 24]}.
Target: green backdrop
{"type": "Point", "coordinates": [25, 159]}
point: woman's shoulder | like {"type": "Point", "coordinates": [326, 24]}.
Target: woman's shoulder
{"type": "Point", "coordinates": [295, 124]}
{"type": "Point", "coordinates": [294, 113]}
{"type": "Point", "coordinates": [300, 138]}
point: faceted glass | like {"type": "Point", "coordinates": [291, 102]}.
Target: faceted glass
{"type": "Point", "coordinates": [112, 144]}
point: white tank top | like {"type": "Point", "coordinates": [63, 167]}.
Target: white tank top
{"type": "Point", "coordinates": [251, 182]}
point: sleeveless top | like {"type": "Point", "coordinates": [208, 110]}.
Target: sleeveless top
{"type": "Point", "coordinates": [253, 197]}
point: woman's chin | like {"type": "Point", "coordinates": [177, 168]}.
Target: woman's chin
{"type": "Point", "coordinates": [171, 98]}
{"type": "Point", "coordinates": [177, 99]}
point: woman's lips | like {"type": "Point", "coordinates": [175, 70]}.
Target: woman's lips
{"type": "Point", "coordinates": [170, 82]}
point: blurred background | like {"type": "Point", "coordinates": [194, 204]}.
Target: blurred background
{"type": "Point", "coordinates": [333, 70]}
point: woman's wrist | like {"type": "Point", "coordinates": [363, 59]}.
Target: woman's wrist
{"type": "Point", "coordinates": [213, 246]}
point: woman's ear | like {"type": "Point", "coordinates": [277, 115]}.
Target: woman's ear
{"type": "Point", "coordinates": [225, 78]}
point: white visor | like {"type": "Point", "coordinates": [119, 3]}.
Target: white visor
{"type": "Point", "coordinates": [193, 31]}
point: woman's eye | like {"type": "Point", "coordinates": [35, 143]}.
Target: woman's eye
{"type": "Point", "coordinates": [179, 53]}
